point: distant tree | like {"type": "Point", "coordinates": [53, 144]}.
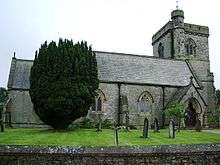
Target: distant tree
{"type": "Point", "coordinates": [214, 118]}
{"type": "Point", "coordinates": [63, 82]}
{"type": "Point", "coordinates": [176, 112]}
{"type": "Point", "coordinates": [3, 97]}
{"type": "Point", "coordinates": [218, 97]}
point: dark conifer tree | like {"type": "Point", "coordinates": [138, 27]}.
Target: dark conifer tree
{"type": "Point", "coordinates": [63, 82]}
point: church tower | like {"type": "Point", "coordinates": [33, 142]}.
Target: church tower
{"type": "Point", "coordinates": [178, 40]}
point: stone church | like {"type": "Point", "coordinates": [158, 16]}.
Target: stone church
{"type": "Point", "coordinates": [138, 86]}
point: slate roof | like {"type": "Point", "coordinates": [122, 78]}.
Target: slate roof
{"type": "Point", "coordinates": [178, 95]}
{"type": "Point", "coordinates": [19, 74]}
{"type": "Point", "coordinates": [118, 67]}
{"type": "Point", "coordinates": [142, 69]}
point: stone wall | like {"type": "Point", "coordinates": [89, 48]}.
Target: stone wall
{"type": "Point", "coordinates": [165, 154]}
{"type": "Point", "coordinates": [21, 109]}
{"type": "Point", "coordinates": [166, 42]}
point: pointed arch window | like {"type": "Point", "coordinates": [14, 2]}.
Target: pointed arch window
{"type": "Point", "coordinates": [99, 100]}
{"type": "Point", "coordinates": [145, 102]}
{"type": "Point", "coordinates": [161, 50]}
{"type": "Point", "coordinates": [99, 104]}
{"type": "Point", "coordinates": [190, 46]}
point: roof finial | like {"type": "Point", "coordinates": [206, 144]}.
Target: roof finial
{"type": "Point", "coordinates": [177, 5]}
{"type": "Point", "coordinates": [14, 55]}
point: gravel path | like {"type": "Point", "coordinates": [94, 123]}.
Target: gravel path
{"type": "Point", "coordinates": [213, 131]}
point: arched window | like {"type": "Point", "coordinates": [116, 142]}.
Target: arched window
{"type": "Point", "coordinates": [99, 104]}
{"type": "Point", "coordinates": [145, 101]}
{"type": "Point", "coordinates": [161, 50]}
{"type": "Point", "coordinates": [99, 100]}
{"type": "Point", "coordinates": [190, 46]}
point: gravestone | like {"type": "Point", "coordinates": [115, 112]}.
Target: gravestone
{"type": "Point", "coordinates": [172, 130]}
{"type": "Point", "coordinates": [1, 121]}
{"type": "Point", "coordinates": [156, 125]}
{"type": "Point", "coordinates": [116, 136]}
{"type": "Point", "coordinates": [146, 127]}
{"type": "Point", "coordinates": [198, 126]}
{"type": "Point", "coordinates": [127, 121]}
{"type": "Point", "coordinates": [99, 125]}
{"type": "Point", "coordinates": [2, 125]}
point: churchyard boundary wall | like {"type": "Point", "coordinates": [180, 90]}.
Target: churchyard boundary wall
{"type": "Point", "coordinates": [164, 154]}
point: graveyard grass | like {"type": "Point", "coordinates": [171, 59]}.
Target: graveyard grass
{"type": "Point", "coordinates": [89, 137]}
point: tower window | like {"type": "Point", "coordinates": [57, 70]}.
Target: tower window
{"type": "Point", "coordinates": [161, 50]}
{"type": "Point", "coordinates": [190, 46]}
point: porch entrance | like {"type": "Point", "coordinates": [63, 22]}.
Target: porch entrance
{"type": "Point", "coordinates": [192, 111]}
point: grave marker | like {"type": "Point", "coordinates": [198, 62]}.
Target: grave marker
{"type": "Point", "coordinates": [146, 127]}
{"type": "Point", "coordinates": [172, 129]}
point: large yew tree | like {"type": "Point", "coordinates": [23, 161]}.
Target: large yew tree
{"type": "Point", "coordinates": [63, 82]}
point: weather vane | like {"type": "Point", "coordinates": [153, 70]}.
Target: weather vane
{"type": "Point", "coordinates": [177, 4]}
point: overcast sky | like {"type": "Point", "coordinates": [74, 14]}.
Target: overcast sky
{"type": "Point", "coordinates": [124, 26]}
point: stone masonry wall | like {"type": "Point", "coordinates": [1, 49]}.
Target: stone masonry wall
{"type": "Point", "coordinates": [165, 154]}
{"type": "Point", "coordinates": [166, 42]}
{"type": "Point", "coordinates": [133, 92]}
{"type": "Point", "coordinates": [21, 109]}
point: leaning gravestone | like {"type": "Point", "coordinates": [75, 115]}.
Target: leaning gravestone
{"type": "Point", "coordinates": [172, 130]}
{"type": "Point", "coordinates": [99, 126]}
{"type": "Point", "coordinates": [145, 129]}
{"type": "Point", "coordinates": [156, 125]}
{"type": "Point", "coordinates": [198, 126]}
{"type": "Point", "coordinates": [127, 121]}
{"type": "Point", "coordinates": [116, 136]}
{"type": "Point", "coordinates": [2, 125]}
{"type": "Point", "coordinates": [1, 121]}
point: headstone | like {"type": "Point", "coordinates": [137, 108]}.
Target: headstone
{"type": "Point", "coordinates": [172, 130]}
{"type": "Point", "coordinates": [127, 121]}
{"type": "Point", "coordinates": [99, 126]}
{"type": "Point", "coordinates": [146, 127]}
{"type": "Point", "coordinates": [219, 122]}
{"type": "Point", "coordinates": [116, 136]}
{"type": "Point", "coordinates": [156, 125]}
{"type": "Point", "coordinates": [1, 121]}
{"type": "Point", "coordinates": [2, 126]}
{"type": "Point", "coordinates": [198, 126]}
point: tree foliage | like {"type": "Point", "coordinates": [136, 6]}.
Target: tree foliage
{"type": "Point", "coordinates": [63, 82]}
{"type": "Point", "coordinates": [214, 118]}
{"type": "Point", "coordinates": [218, 97]}
{"type": "Point", "coordinates": [176, 112]}
{"type": "Point", "coordinates": [3, 97]}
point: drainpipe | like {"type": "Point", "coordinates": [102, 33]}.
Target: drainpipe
{"type": "Point", "coordinates": [119, 104]}
{"type": "Point", "coordinates": [163, 109]}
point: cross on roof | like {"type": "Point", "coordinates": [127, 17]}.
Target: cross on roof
{"type": "Point", "coordinates": [177, 4]}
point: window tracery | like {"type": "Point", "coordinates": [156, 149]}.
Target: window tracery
{"type": "Point", "coordinates": [190, 46]}
{"type": "Point", "coordinates": [145, 102]}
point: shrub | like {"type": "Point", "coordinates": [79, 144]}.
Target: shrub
{"type": "Point", "coordinates": [213, 118]}
{"type": "Point", "coordinates": [176, 112]}
{"type": "Point", "coordinates": [63, 82]}
{"type": "Point", "coordinates": [3, 98]}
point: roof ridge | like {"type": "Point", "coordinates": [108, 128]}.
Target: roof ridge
{"type": "Point", "coordinates": [138, 55]}
{"type": "Point", "coordinates": [193, 73]}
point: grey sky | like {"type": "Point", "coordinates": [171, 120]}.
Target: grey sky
{"type": "Point", "coordinates": [109, 25]}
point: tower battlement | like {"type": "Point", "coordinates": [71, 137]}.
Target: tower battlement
{"type": "Point", "coordinates": [196, 29]}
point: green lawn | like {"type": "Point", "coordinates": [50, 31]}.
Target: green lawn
{"type": "Point", "coordinates": [89, 137]}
